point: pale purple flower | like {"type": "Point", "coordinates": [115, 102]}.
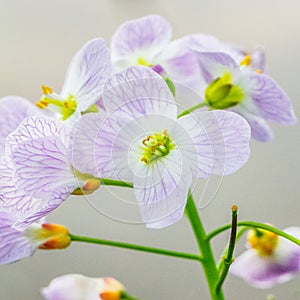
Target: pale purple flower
{"type": "Point", "coordinates": [147, 41]}
{"type": "Point", "coordinates": [79, 287]}
{"type": "Point", "coordinates": [16, 244]}
{"type": "Point", "coordinates": [235, 80]}
{"type": "Point", "coordinates": [270, 259]}
{"type": "Point", "coordinates": [83, 83]}
{"type": "Point", "coordinates": [37, 174]}
{"type": "Point", "coordinates": [13, 110]}
{"type": "Point", "coordinates": [142, 141]}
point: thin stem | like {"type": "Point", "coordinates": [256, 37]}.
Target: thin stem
{"type": "Point", "coordinates": [191, 109]}
{"type": "Point", "coordinates": [84, 239]}
{"type": "Point", "coordinates": [254, 225]}
{"type": "Point", "coordinates": [107, 181]}
{"type": "Point", "coordinates": [228, 258]}
{"type": "Point", "coordinates": [208, 261]}
{"type": "Point", "coordinates": [126, 296]}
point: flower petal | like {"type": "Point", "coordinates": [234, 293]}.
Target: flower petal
{"type": "Point", "coordinates": [67, 287]}
{"type": "Point", "coordinates": [14, 245]}
{"type": "Point", "coordinates": [139, 91]}
{"type": "Point", "coordinates": [141, 38]}
{"type": "Point", "coordinates": [40, 158]}
{"type": "Point", "coordinates": [214, 64]}
{"type": "Point", "coordinates": [221, 140]}
{"type": "Point", "coordinates": [260, 130]}
{"type": "Point", "coordinates": [87, 72]}
{"type": "Point", "coordinates": [272, 102]}
{"type": "Point", "coordinates": [162, 189]}
{"type": "Point", "coordinates": [13, 110]}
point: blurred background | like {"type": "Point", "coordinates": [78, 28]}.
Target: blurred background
{"type": "Point", "coordinates": [38, 39]}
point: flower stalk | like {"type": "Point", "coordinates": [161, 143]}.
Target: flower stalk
{"type": "Point", "coordinates": [228, 257]}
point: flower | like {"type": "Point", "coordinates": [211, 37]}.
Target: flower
{"type": "Point", "coordinates": [16, 244]}
{"type": "Point", "coordinates": [270, 259]}
{"type": "Point", "coordinates": [83, 84]}
{"type": "Point", "coordinates": [142, 141]}
{"type": "Point", "coordinates": [13, 110]}
{"type": "Point", "coordinates": [37, 173]}
{"type": "Point", "coordinates": [146, 41]}
{"type": "Point", "coordinates": [235, 80]}
{"type": "Point", "coordinates": [79, 287]}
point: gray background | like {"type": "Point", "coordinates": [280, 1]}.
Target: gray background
{"type": "Point", "coordinates": [38, 39]}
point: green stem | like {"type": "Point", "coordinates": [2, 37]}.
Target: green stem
{"type": "Point", "coordinates": [191, 109]}
{"type": "Point", "coordinates": [208, 261]}
{"type": "Point", "coordinates": [107, 181]}
{"type": "Point", "coordinates": [254, 225]}
{"type": "Point", "coordinates": [228, 258]}
{"type": "Point", "coordinates": [84, 239]}
{"type": "Point", "coordinates": [125, 296]}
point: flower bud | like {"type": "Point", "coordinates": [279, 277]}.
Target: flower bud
{"type": "Point", "coordinates": [49, 236]}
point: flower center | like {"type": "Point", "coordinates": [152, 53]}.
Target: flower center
{"type": "Point", "coordinates": [263, 241]}
{"type": "Point", "coordinates": [156, 146]}
{"type": "Point", "coordinates": [52, 101]}
{"type": "Point", "coordinates": [222, 94]}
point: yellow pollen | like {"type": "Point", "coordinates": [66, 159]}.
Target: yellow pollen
{"type": "Point", "coordinates": [143, 62]}
{"type": "Point", "coordinates": [259, 71]}
{"type": "Point", "coordinates": [46, 90]}
{"type": "Point", "coordinates": [263, 241]}
{"type": "Point", "coordinates": [246, 61]}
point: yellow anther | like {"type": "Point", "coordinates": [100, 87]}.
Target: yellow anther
{"type": "Point", "coordinates": [259, 71]}
{"type": "Point", "coordinates": [263, 241]}
{"type": "Point", "coordinates": [246, 61]}
{"type": "Point", "coordinates": [143, 62]}
{"type": "Point", "coordinates": [46, 90]}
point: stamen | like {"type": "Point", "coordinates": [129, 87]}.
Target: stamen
{"type": "Point", "coordinates": [46, 90]}
{"type": "Point", "coordinates": [246, 61]}
{"type": "Point", "coordinates": [156, 146]}
{"type": "Point", "coordinates": [259, 71]}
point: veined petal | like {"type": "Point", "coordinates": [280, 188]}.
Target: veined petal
{"type": "Point", "coordinates": [162, 189]}
{"type": "Point", "coordinates": [221, 140]}
{"type": "Point", "coordinates": [260, 130]}
{"type": "Point", "coordinates": [87, 72]}
{"type": "Point", "coordinates": [14, 245]}
{"type": "Point", "coordinates": [139, 91]}
{"type": "Point", "coordinates": [267, 271]}
{"type": "Point", "coordinates": [40, 158]}
{"type": "Point", "coordinates": [258, 59]}
{"type": "Point", "coordinates": [214, 64]}
{"type": "Point", "coordinates": [141, 38]}
{"type": "Point", "coordinates": [46, 206]}
{"type": "Point", "coordinates": [13, 110]}
{"type": "Point", "coordinates": [272, 102]}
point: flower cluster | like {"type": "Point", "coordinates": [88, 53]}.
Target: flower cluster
{"type": "Point", "coordinates": [117, 118]}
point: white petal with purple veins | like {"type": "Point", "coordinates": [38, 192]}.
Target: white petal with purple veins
{"type": "Point", "coordinates": [272, 102]}
{"type": "Point", "coordinates": [86, 74]}
{"type": "Point", "coordinates": [13, 110]}
{"type": "Point", "coordinates": [214, 64]}
{"type": "Point", "coordinates": [138, 91]}
{"type": "Point", "coordinates": [14, 245]}
{"type": "Point", "coordinates": [221, 140]}
{"type": "Point", "coordinates": [162, 190]}
{"type": "Point", "coordinates": [141, 38]}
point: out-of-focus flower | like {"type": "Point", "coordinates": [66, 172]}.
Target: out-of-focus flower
{"type": "Point", "coordinates": [270, 259]}
{"type": "Point", "coordinates": [15, 244]}
{"type": "Point", "coordinates": [231, 79]}
{"type": "Point", "coordinates": [79, 287]}
{"type": "Point", "coordinates": [142, 141]}
{"type": "Point", "coordinates": [13, 110]}
{"type": "Point", "coordinates": [37, 174]}
{"type": "Point", "coordinates": [83, 84]}
{"type": "Point", "coordinates": [146, 41]}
